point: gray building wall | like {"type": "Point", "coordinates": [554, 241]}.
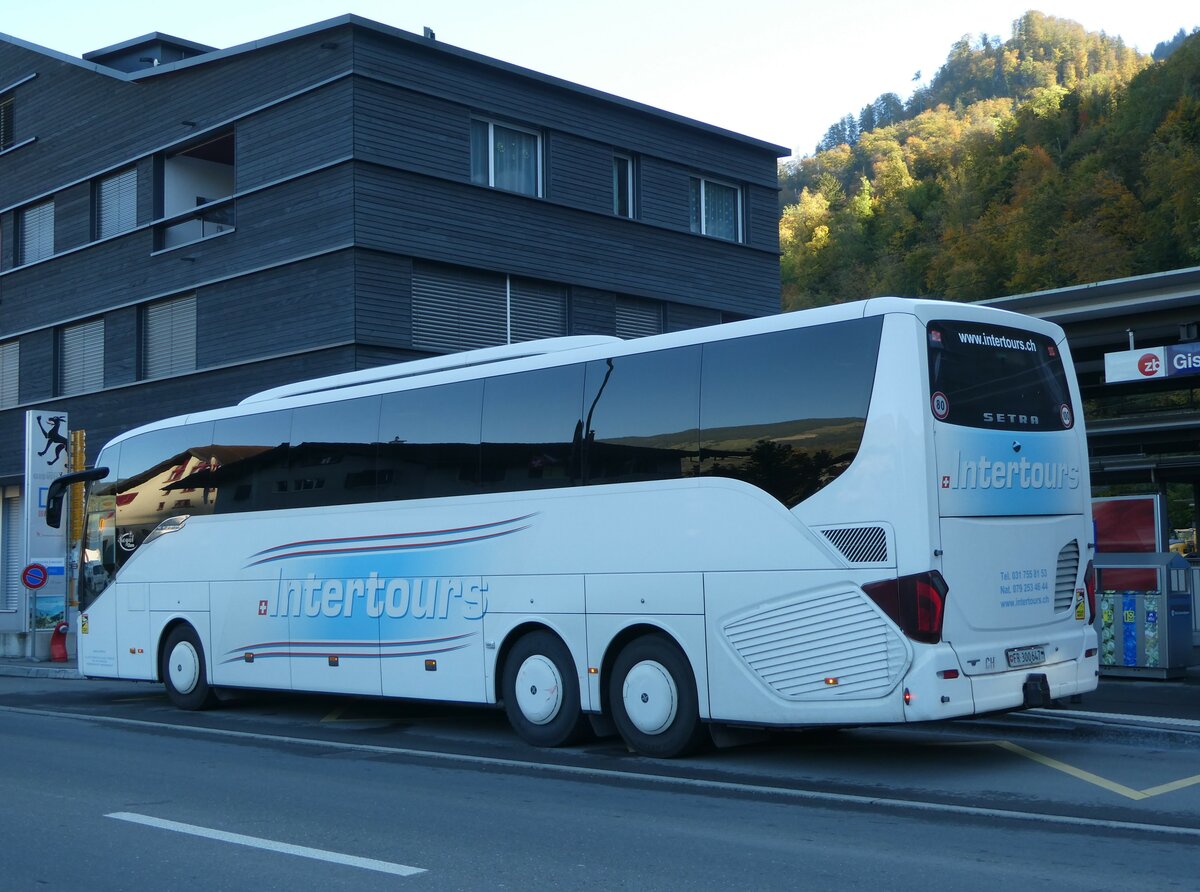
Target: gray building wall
{"type": "Point", "coordinates": [352, 163]}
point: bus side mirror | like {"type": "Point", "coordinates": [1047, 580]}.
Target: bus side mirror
{"type": "Point", "coordinates": [58, 488]}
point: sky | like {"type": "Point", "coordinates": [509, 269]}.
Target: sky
{"type": "Point", "coordinates": [778, 71]}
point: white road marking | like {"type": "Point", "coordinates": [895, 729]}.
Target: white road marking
{"type": "Point", "coordinates": [255, 842]}
{"type": "Point", "coordinates": [1118, 718]}
{"type": "Point", "coordinates": [627, 776]}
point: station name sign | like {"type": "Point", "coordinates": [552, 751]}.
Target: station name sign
{"type": "Point", "coordinates": [1152, 362]}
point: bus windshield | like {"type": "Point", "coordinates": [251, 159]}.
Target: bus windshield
{"type": "Point", "coordinates": [989, 376]}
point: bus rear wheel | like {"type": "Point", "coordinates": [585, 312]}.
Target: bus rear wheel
{"type": "Point", "coordinates": [652, 696]}
{"type": "Point", "coordinates": [541, 691]}
{"type": "Point", "coordinates": [184, 672]}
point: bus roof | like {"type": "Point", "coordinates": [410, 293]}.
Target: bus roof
{"type": "Point", "coordinates": [509, 358]}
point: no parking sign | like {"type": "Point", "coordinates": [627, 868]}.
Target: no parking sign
{"type": "Point", "coordinates": [34, 576]}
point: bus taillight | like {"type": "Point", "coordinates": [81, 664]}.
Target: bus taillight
{"type": "Point", "coordinates": [915, 603]}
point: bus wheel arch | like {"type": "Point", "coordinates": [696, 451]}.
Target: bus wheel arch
{"type": "Point", "coordinates": [652, 695]}
{"type": "Point", "coordinates": [183, 667]}
{"type": "Point", "coordinates": [539, 685]}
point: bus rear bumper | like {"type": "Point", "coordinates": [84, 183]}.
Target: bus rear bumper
{"type": "Point", "coordinates": [1035, 686]}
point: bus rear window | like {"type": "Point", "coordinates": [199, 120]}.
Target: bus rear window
{"type": "Point", "coordinates": [989, 376]}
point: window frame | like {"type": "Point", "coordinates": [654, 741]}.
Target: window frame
{"type": "Point", "coordinates": [629, 187]}
{"type": "Point", "coordinates": [22, 221]}
{"type": "Point", "coordinates": [61, 350]}
{"type": "Point", "coordinates": [10, 357]}
{"type": "Point", "coordinates": [98, 209]}
{"type": "Point", "coordinates": [699, 225]}
{"type": "Point", "coordinates": [7, 121]}
{"type": "Point", "coordinates": [174, 366]}
{"type": "Point", "coordinates": [539, 191]}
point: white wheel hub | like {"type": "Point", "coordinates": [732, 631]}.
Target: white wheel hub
{"type": "Point", "coordinates": [183, 667]}
{"type": "Point", "coordinates": [539, 689]}
{"type": "Point", "coordinates": [650, 697]}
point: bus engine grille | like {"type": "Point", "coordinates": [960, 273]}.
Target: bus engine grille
{"type": "Point", "coordinates": [1064, 580]}
{"type": "Point", "coordinates": [821, 646]}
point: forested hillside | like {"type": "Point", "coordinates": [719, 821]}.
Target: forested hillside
{"type": "Point", "coordinates": [1053, 158]}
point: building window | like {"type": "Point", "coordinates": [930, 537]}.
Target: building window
{"type": "Point", "coordinates": [6, 122]}
{"type": "Point", "coordinates": [169, 337]}
{"type": "Point", "coordinates": [464, 309]}
{"type": "Point", "coordinates": [116, 203]}
{"type": "Point", "coordinates": [35, 232]}
{"type": "Point", "coordinates": [716, 209]}
{"type": "Point", "coordinates": [506, 157]}
{"type": "Point", "coordinates": [638, 318]}
{"type": "Point", "coordinates": [81, 358]}
{"type": "Point", "coordinates": [623, 186]}
{"type": "Point", "coordinates": [197, 191]}
{"type": "Point", "coordinates": [10, 358]}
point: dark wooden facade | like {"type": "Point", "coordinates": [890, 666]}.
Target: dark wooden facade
{"type": "Point", "coordinates": [351, 166]}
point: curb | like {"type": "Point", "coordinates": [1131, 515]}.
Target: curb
{"type": "Point", "coordinates": [39, 670]}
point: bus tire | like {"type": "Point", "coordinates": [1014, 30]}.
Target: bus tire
{"type": "Point", "coordinates": [541, 691]}
{"type": "Point", "coordinates": [184, 671]}
{"type": "Point", "coordinates": [652, 696]}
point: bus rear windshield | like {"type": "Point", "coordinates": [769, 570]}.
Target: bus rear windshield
{"type": "Point", "coordinates": [990, 376]}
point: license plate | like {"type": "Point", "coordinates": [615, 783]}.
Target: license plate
{"type": "Point", "coordinates": [1025, 656]}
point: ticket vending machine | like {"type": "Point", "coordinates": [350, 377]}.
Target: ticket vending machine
{"type": "Point", "coordinates": [1143, 614]}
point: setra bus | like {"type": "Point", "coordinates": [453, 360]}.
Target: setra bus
{"type": "Point", "coordinates": [874, 512]}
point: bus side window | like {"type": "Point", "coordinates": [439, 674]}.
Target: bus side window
{"type": "Point", "coordinates": [332, 456]}
{"type": "Point", "coordinates": [642, 416]}
{"type": "Point", "coordinates": [157, 479]}
{"type": "Point", "coordinates": [532, 429]}
{"type": "Point", "coordinates": [429, 442]}
{"type": "Point", "coordinates": [250, 458]}
{"type": "Point", "coordinates": [786, 411]}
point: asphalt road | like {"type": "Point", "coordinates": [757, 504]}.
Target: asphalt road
{"type": "Point", "coordinates": [108, 787]}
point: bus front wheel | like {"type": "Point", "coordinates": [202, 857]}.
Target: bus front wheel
{"type": "Point", "coordinates": [541, 691]}
{"type": "Point", "coordinates": [653, 699]}
{"type": "Point", "coordinates": [184, 672]}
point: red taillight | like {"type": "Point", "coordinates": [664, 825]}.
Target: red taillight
{"type": "Point", "coordinates": [915, 603]}
{"type": "Point", "coordinates": [1089, 585]}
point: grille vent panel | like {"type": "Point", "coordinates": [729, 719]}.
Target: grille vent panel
{"type": "Point", "coordinates": [793, 647]}
{"type": "Point", "coordinates": [859, 545]}
{"type": "Point", "coordinates": [1065, 576]}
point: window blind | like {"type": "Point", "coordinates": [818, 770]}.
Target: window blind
{"type": "Point", "coordinates": [169, 346]}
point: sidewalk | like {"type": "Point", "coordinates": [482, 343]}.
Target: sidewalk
{"type": "Point", "coordinates": [23, 668]}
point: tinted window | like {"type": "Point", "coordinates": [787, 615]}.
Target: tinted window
{"type": "Point", "coordinates": [641, 416]}
{"type": "Point", "coordinates": [156, 479]}
{"type": "Point", "coordinates": [785, 411]}
{"type": "Point", "coordinates": [532, 429]}
{"type": "Point", "coordinates": [250, 461]}
{"type": "Point", "coordinates": [331, 460]}
{"type": "Point", "coordinates": [98, 561]}
{"type": "Point", "coordinates": [995, 377]}
{"type": "Point", "coordinates": [429, 442]}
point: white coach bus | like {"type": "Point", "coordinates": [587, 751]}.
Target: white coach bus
{"type": "Point", "coordinates": [868, 513]}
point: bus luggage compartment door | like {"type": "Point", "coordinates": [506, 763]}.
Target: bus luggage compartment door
{"type": "Point", "coordinates": [1013, 599]}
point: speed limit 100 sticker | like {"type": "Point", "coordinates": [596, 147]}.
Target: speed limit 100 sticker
{"type": "Point", "coordinates": [941, 406]}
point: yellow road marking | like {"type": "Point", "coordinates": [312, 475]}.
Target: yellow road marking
{"type": "Point", "coordinates": [1173, 786]}
{"type": "Point", "coordinates": [1081, 774]}
{"type": "Point", "coordinates": [334, 716]}
{"type": "Point", "coordinates": [1127, 792]}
